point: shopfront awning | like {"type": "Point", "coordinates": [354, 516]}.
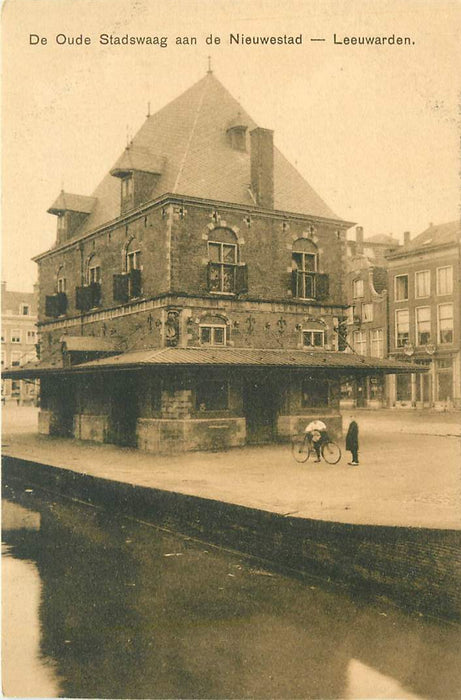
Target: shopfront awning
{"type": "Point", "coordinates": [339, 362]}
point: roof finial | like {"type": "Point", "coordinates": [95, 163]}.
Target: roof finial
{"type": "Point", "coordinates": [209, 65]}
{"type": "Point", "coordinates": [148, 109]}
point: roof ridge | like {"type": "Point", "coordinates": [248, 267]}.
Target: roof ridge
{"type": "Point", "coordinates": [189, 141]}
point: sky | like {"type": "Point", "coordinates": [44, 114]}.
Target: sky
{"type": "Point", "coordinates": [373, 129]}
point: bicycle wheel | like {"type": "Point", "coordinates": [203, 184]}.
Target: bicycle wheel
{"type": "Point", "coordinates": [331, 453]}
{"type": "Point", "coordinates": [300, 448]}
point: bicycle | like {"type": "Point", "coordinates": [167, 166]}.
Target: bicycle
{"type": "Point", "coordinates": [302, 448]}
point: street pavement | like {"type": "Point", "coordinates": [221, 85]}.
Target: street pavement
{"type": "Point", "coordinates": [409, 472]}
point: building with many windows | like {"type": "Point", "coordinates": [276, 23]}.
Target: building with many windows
{"type": "Point", "coordinates": [425, 317]}
{"type": "Point", "coordinates": [367, 324]}
{"type": "Point", "coordinates": [19, 336]}
{"type": "Point", "coordinates": [197, 298]}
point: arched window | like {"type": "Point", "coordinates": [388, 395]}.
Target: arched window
{"type": "Point", "coordinates": [307, 282]}
{"type": "Point", "coordinates": [223, 255]}
{"type": "Point", "coordinates": [93, 270]}
{"type": "Point", "coordinates": [133, 256]}
{"type": "Point", "coordinates": [61, 280]}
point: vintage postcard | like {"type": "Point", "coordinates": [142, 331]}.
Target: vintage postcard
{"type": "Point", "coordinates": [231, 348]}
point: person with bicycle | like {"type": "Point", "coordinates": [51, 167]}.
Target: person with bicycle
{"type": "Point", "coordinates": [316, 432]}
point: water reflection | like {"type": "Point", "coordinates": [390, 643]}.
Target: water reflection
{"type": "Point", "coordinates": [128, 611]}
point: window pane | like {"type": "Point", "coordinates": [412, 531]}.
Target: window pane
{"type": "Point", "coordinates": [218, 336]}
{"type": "Point", "coordinates": [318, 339]}
{"type": "Point", "coordinates": [401, 287]}
{"type": "Point", "coordinates": [445, 280]}
{"type": "Point", "coordinates": [297, 258]}
{"type": "Point", "coordinates": [423, 280]}
{"type": "Point", "coordinates": [214, 252]}
{"type": "Point", "coordinates": [229, 254]}
{"type": "Point", "coordinates": [358, 288]}
{"type": "Point", "coordinates": [309, 262]}
{"type": "Point", "coordinates": [205, 335]}
{"type": "Point", "coordinates": [307, 338]}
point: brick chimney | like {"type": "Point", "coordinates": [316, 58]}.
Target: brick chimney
{"type": "Point", "coordinates": [262, 166]}
{"type": "Point", "coordinates": [359, 240]}
{"type": "Point", "coordinates": [406, 237]}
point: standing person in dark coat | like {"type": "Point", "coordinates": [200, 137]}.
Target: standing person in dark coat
{"type": "Point", "coordinates": [352, 442]}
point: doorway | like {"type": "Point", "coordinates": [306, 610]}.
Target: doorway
{"type": "Point", "coordinates": [260, 402]}
{"type": "Point", "coordinates": [123, 409]}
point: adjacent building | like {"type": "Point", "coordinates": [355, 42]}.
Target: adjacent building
{"type": "Point", "coordinates": [19, 336]}
{"type": "Point", "coordinates": [425, 318]}
{"type": "Point", "coordinates": [367, 315]}
{"type": "Point", "coordinates": [197, 299]}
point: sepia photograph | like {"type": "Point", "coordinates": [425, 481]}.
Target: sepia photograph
{"type": "Point", "coordinates": [231, 349]}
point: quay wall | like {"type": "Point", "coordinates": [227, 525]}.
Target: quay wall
{"type": "Point", "coordinates": [416, 568]}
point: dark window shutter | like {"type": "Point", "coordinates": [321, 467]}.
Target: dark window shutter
{"type": "Point", "coordinates": [61, 302]}
{"type": "Point", "coordinates": [79, 298]}
{"type": "Point", "coordinates": [84, 298]}
{"type": "Point", "coordinates": [95, 294]}
{"type": "Point", "coordinates": [322, 285]}
{"type": "Point", "coordinates": [135, 277]}
{"type": "Point", "coordinates": [120, 288]}
{"type": "Point", "coordinates": [241, 279]}
{"type": "Point", "coordinates": [51, 306]}
{"type": "Point", "coordinates": [294, 283]}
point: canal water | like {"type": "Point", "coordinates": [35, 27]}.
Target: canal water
{"type": "Point", "coordinates": [98, 606]}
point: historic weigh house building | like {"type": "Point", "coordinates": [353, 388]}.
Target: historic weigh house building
{"type": "Point", "coordinates": [196, 299]}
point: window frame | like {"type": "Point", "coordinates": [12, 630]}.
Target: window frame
{"type": "Point", "coordinates": [397, 312]}
{"type": "Point", "coordinates": [379, 342]}
{"type": "Point", "coordinates": [127, 186]}
{"type": "Point", "coordinates": [313, 332]}
{"type": "Point", "coordinates": [16, 336]}
{"type": "Point", "coordinates": [417, 322]}
{"type": "Point", "coordinates": [437, 280]}
{"type": "Point", "coordinates": [23, 307]}
{"type": "Point", "coordinates": [439, 338]}
{"type": "Point", "coordinates": [363, 342]}
{"type": "Point", "coordinates": [422, 296]}
{"type": "Point", "coordinates": [213, 327]}
{"type": "Point", "coordinates": [397, 277]}
{"type": "Point", "coordinates": [370, 306]}
{"type": "Point", "coordinates": [15, 362]}
{"type": "Point", "coordinates": [358, 283]}
{"type": "Point", "coordinates": [31, 342]}
{"type": "Point", "coordinates": [223, 264]}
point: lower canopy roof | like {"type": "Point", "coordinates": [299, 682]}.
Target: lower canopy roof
{"type": "Point", "coordinates": [226, 357]}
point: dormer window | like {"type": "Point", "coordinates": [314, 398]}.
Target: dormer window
{"type": "Point", "coordinates": [237, 133]}
{"type": "Point", "coordinates": [127, 186]}
{"type": "Point", "coordinates": [61, 223]}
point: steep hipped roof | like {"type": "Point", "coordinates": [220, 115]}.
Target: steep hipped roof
{"type": "Point", "coordinates": [435, 235]}
{"type": "Point", "coordinates": [188, 137]}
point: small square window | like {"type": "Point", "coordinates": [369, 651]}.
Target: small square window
{"type": "Point", "coordinates": [16, 336]}
{"type": "Point", "coordinates": [314, 339]}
